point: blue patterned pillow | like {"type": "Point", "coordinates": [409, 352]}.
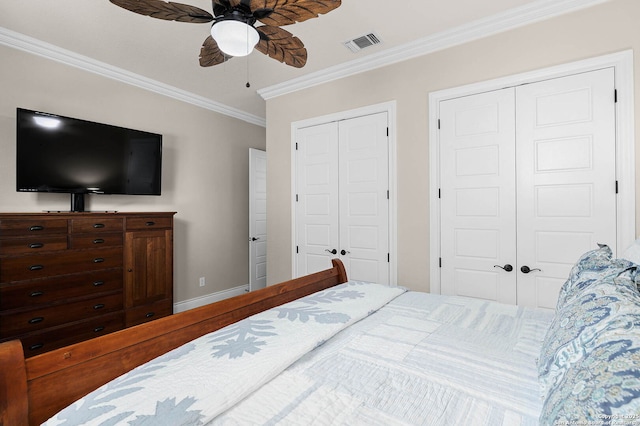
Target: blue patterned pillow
{"type": "Point", "coordinates": [592, 267]}
{"type": "Point", "coordinates": [580, 311]}
{"type": "Point", "coordinates": [578, 323]}
{"type": "Point", "coordinates": [602, 386]}
{"type": "Point", "coordinates": [594, 370]}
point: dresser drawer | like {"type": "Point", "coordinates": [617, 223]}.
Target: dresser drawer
{"type": "Point", "coordinates": [100, 240]}
{"type": "Point", "coordinates": [37, 343]}
{"type": "Point", "coordinates": [33, 244]}
{"type": "Point", "coordinates": [24, 227]}
{"type": "Point", "coordinates": [99, 225]}
{"type": "Point", "coordinates": [38, 319]}
{"type": "Point", "coordinates": [58, 263]}
{"type": "Point", "coordinates": [139, 223]}
{"type": "Point", "coordinates": [39, 292]}
{"type": "Point", "coordinates": [149, 312]}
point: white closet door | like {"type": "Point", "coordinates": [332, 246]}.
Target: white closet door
{"type": "Point", "coordinates": [342, 183]}
{"type": "Point", "coordinates": [566, 178]}
{"type": "Point", "coordinates": [364, 203]}
{"type": "Point", "coordinates": [527, 179]}
{"type": "Point", "coordinates": [477, 176]}
{"type": "Point", "coordinates": [317, 205]}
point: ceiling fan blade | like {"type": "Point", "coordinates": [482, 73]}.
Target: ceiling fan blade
{"type": "Point", "coordinates": [169, 11]}
{"type": "Point", "coordinates": [210, 53]}
{"type": "Point", "coordinates": [286, 12]}
{"type": "Point", "coordinates": [281, 45]}
{"type": "Point", "coordinates": [226, 3]}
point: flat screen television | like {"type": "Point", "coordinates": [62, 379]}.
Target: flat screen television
{"type": "Point", "coordinates": [68, 155]}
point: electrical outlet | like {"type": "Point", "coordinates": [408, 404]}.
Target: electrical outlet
{"type": "Point", "coordinates": [202, 282]}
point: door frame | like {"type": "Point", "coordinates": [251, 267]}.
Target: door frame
{"type": "Point", "coordinates": [622, 63]}
{"type": "Point", "coordinates": [390, 109]}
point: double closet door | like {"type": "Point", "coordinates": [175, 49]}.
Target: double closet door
{"type": "Point", "coordinates": [342, 197]}
{"type": "Point", "coordinates": [528, 184]}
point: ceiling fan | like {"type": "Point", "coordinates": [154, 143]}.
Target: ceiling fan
{"type": "Point", "coordinates": [233, 32]}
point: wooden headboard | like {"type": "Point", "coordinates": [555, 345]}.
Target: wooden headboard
{"type": "Point", "coordinates": [34, 389]}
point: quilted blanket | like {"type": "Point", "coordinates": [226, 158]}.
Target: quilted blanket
{"type": "Point", "coordinates": [196, 382]}
{"type": "Point", "coordinates": [422, 359]}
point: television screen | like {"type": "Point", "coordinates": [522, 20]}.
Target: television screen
{"type": "Point", "coordinates": [62, 154]}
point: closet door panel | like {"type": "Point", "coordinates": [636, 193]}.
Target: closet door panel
{"type": "Point", "coordinates": [477, 176]}
{"type": "Point", "coordinates": [317, 206]}
{"type": "Point", "coordinates": [364, 204]}
{"type": "Point", "coordinates": [566, 178]}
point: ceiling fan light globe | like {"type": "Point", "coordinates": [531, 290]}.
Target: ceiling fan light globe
{"type": "Point", "coordinates": [235, 38]}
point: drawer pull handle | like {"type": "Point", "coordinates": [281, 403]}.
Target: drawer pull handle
{"type": "Point", "coordinates": [98, 283]}
{"type": "Point", "coordinates": [36, 293]}
{"type": "Point", "coordinates": [36, 346]}
{"type": "Point", "coordinates": [98, 260]}
{"type": "Point", "coordinates": [36, 267]}
{"type": "Point", "coordinates": [150, 314]}
{"type": "Point", "coordinates": [150, 223]}
{"type": "Point", "coordinates": [36, 245]}
{"type": "Point", "coordinates": [98, 306]}
{"type": "Point", "coordinates": [98, 241]}
{"type": "Point", "coordinates": [98, 225]}
{"type": "Point", "coordinates": [36, 320]}
{"type": "Point", "coordinates": [98, 329]}
{"type": "Point", "coordinates": [36, 228]}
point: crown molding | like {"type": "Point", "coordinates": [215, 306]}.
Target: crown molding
{"type": "Point", "coordinates": [513, 18]}
{"type": "Point", "coordinates": [38, 47]}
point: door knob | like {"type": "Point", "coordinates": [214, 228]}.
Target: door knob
{"type": "Point", "coordinates": [343, 252]}
{"type": "Point", "coordinates": [506, 267]}
{"type": "Point", "coordinates": [254, 239]}
{"type": "Point", "coordinates": [334, 251]}
{"type": "Point", "coordinates": [525, 269]}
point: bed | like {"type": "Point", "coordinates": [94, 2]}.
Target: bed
{"type": "Point", "coordinates": [322, 349]}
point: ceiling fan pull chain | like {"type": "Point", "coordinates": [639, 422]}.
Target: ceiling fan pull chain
{"type": "Point", "coordinates": [247, 64]}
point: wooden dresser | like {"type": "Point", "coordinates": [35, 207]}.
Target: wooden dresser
{"type": "Point", "coordinates": [68, 277]}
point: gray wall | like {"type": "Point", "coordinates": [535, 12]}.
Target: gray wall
{"type": "Point", "coordinates": [205, 159]}
{"type": "Point", "coordinates": [606, 28]}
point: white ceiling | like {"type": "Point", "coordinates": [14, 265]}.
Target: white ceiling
{"type": "Point", "coordinates": [163, 55]}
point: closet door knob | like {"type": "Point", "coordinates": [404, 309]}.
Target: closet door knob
{"type": "Point", "coordinates": [343, 252]}
{"type": "Point", "coordinates": [506, 267]}
{"type": "Point", "coordinates": [334, 251]}
{"type": "Point", "coordinates": [525, 269]}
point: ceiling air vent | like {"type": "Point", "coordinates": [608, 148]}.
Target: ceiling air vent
{"type": "Point", "coordinates": [359, 43]}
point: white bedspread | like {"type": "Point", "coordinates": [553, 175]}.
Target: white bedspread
{"type": "Point", "coordinates": [193, 384]}
{"type": "Point", "coordinates": [422, 359]}
{"type": "Point", "coordinates": [381, 357]}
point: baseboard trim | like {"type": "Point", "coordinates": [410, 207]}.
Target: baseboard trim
{"type": "Point", "coordinates": [209, 298]}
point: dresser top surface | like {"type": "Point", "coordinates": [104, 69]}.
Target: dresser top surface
{"type": "Point", "coordinates": [72, 215]}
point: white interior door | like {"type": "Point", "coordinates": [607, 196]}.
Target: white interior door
{"type": "Point", "coordinates": [317, 201]}
{"type": "Point", "coordinates": [527, 179]}
{"type": "Point", "coordinates": [566, 150]}
{"type": "Point", "coordinates": [477, 174]}
{"type": "Point", "coordinates": [342, 190]}
{"type": "Point", "coordinates": [257, 219]}
{"type": "Point", "coordinates": [364, 197]}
